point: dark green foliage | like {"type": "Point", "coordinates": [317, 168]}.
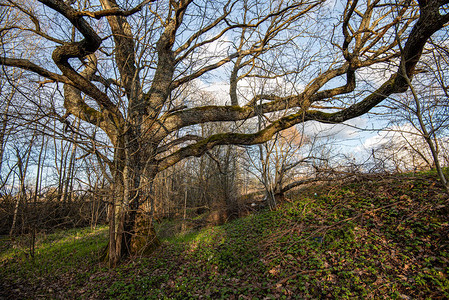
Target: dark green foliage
{"type": "Point", "coordinates": [381, 237]}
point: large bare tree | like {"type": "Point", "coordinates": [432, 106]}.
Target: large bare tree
{"type": "Point", "coordinates": [122, 67]}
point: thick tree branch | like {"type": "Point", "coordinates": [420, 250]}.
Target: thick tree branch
{"type": "Point", "coordinates": [205, 114]}
{"type": "Point", "coordinates": [181, 140]}
{"type": "Point", "coordinates": [75, 105]}
{"type": "Point", "coordinates": [125, 55]}
{"type": "Point", "coordinates": [115, 11]}
{"type": "Point", "coordinates": [30, 66]}
{"type": "Point", "coordinates": [81, 49]}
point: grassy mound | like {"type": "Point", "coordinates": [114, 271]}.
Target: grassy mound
{"type": "Point", "coordinates": [373, 238]}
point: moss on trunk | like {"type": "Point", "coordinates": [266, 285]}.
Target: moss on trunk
{"type": "Point", "coordinates": [144, 240]}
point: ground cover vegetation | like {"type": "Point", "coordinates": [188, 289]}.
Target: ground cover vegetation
{"type": "Point", "coordinates": [373, 236]}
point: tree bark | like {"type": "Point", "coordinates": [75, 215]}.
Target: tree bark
{"type": "Point", "coordinates": [131, 229]}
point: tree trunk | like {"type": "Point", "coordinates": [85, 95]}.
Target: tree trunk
{"type": "Point", "coordinates": [23, 169]}
{"type": "Point", "coordinates": [3, 133]}
{"type": "Point", "coordinates": [131, 230]}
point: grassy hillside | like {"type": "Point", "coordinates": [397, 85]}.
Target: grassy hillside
{"type": "Point", "coordinates": [378, 237]}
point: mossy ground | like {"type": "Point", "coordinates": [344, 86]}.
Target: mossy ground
{"type": "Point", "coordinates": [376, 237]}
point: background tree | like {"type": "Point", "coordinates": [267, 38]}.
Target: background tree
{"type": "Point", "coordinates": [282, 163]}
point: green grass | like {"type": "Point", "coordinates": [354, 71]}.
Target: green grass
{"type": "Point", "coordinates": [380, 237]}
{"type": "Point", "coordinates": [69, 255]}
{"type": "Point", "coordinates": [62, 240]}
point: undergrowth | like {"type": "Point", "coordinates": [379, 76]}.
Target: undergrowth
{"type": "Point", "coordinates": [376, 237]}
